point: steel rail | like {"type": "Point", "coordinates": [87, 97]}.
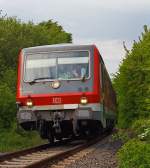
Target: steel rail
{"type": "Point", "coordinates": [64, 155]}
{"type": "Point", "coordinates": [43, 155]}
{"type": "Point", "coordinates": [11, 155]}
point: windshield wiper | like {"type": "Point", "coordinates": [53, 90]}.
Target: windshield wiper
{"type": "Point", "coordinates": [36, 79]}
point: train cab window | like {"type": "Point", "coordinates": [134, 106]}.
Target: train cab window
{"type": "Point", "coordinates": [73, 67]}
{"type": "Point", "coordinates": [40, 66]}
{"type": "Point", "coordinates": [57, 65]}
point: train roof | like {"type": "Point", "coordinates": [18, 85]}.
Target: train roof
{"type": "Point", "coordinates": [58, 47]}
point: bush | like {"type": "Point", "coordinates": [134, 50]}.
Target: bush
{"type": "Point", "coordinates": [132, 82]}
{"type": "Point", "coordinates": [138, 126]}
{"type": "Point", "coordinates": [7, 106]}
{"type": "Point", "coordinates": [134, 154]}
{"type": "Point", "coordinates": [121, 135]}
{"type": "Point", "coordinates": [141, 128]}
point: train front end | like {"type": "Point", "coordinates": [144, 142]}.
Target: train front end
{"type": "Point", "coordinates": [56, 93]}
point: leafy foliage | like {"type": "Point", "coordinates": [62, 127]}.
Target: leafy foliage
{"type": "Point", "coordinates": [132, 82]}
{"type": "Point", "coordinates": [134, 154]}
{"type": "Point", "coordinates": [7, 108]}
{"type": "Point", "coordinates": [141, 128]}
{"type": "Point", "coordinates": [120, 135]}
{"type": "Point", "coordinates": [15, 35]}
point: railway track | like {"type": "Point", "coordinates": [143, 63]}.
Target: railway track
{"type": "Point", "coordinates": [44, 156]}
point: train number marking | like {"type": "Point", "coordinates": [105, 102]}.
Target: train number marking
{"type": "Point", "coordinates": [56, 100]}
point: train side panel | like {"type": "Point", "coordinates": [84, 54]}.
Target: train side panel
{"type": "Point", "coordinates": [108, 96]}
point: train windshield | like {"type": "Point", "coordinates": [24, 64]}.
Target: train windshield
{"type": "Point", "coordinates": [72, 65]}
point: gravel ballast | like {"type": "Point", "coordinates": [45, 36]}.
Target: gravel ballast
{"type": "Point", "coordinates": [103, 155]}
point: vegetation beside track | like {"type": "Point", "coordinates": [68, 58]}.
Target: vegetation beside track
{"type": "Point", "coordinates": [14, 140]}
{"type": "Point", "coordinates": [132, 84]}
{"type": "Point", "coordinates": [14, 35]}
{"type": "Point", "coordinates": [136, 149]}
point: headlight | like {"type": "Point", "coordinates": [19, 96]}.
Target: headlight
{"type": "Point", "coordinates": [29, 103]}
{"type": "Point", "coordinates": [55, 84]}
{"type": "Point", "coordinates": [83, 100]}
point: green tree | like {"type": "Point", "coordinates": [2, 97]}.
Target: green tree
{"type": "Point", "coordinates": [132, 82]}
{"type": "Point", "coordinates": [7, 108]}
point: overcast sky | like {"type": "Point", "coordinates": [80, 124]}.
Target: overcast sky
{"type": "Point", "coordinates": [106, 23]}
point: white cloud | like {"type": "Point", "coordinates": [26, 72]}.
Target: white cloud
{"type": "Point", "coordinates": [106, 19]}
{"type": "Point", "coordinates": [124, 5]}
{"type": "Point", "coordinates": [60, 7]}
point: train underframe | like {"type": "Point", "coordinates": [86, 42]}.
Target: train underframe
{"type": "Point", "coordinates": [68, 127]}
{"type": "Point", "coordinates": [64, 129]}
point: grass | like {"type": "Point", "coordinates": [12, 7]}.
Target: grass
{"type": "Point", "coordinates": [13, 140]}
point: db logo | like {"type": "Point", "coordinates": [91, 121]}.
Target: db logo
{"type": "Point", "coordinates": [56, 100]}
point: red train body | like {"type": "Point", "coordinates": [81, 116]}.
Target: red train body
{"type": "Point", "coordinates": [63, 90]}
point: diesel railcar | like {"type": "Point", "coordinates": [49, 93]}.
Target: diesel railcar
{"type": "Point", "coordinates": [64, 91]}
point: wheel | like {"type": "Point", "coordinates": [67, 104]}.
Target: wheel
{"type": "Point", "coordinates": [51, 138]}
{"type": "Point", "coordinates": [110, 125]}
{"type": "Point", "coordinates": [42, 129]}
{"type": "Point", "coordinates": [59, 137]}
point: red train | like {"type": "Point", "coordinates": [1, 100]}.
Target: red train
{"type": "Point", "coordinates": [64, 90]}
